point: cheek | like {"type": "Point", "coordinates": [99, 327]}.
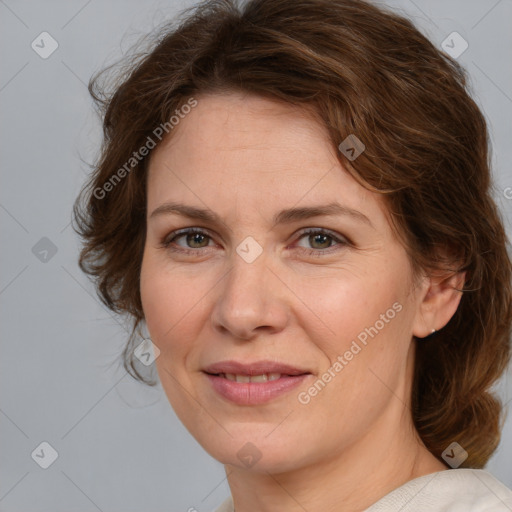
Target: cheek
{"type": "Point", "coordinates": [366, 347]}
{"type": "Point", "coordinates": [174, 306]}
{"type": "Point", "coordinates": [366, 350]}
{"type": "Point", "coordinates": [163, 301]}
{"type": "Point", "coordinates": [354, 307]}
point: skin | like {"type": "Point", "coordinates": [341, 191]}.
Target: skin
{"type": "Point", "coordinates": [246, 158]}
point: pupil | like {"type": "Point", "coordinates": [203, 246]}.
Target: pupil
{"type": "Point", "coordinates": [196, 238]}
{"type": "Point", "coordinates": [318, 237]}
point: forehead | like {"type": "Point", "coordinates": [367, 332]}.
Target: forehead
{"type": "Point", "coordinates": [253, 152]}
{"type": "Point", "coordinates": [245, 127]}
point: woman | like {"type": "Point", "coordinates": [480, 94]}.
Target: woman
{"type": "Point", "coordinates": [294, 198]}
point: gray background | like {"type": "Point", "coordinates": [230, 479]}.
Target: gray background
{"type": "Point", "coordinates": [120, 446]}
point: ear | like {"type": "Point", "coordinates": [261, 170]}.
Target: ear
{"type": "Point", "coordinates": [441, 298]}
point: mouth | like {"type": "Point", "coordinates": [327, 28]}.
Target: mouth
{"type": "Point", "coordinates": [255, 383]}
{"type": "Point", "coordinates": [264, 377]}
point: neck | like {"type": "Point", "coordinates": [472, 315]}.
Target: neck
{"type": "Point", "coordinates": [348, 482]}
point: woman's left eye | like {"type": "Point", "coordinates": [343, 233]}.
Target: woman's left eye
{"type": "Point", "coordinates": [321, 241]}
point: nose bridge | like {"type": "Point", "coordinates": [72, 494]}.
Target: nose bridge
{"type": "Point", "coordinates": [249, 296]}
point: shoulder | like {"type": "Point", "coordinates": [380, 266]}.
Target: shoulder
{"type": "Point", "coordinates": [451, 490]}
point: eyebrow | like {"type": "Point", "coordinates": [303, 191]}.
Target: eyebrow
{"type": "Point", "coordinates": [287, 216]}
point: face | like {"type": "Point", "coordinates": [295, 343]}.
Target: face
{"type": "Point", "coordinates": [267, 277]}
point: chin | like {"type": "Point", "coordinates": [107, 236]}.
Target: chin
{"type": "Point", "coordinates": [254, 450]}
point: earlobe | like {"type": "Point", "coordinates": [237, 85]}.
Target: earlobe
{"type": "Point", "coordinates": [440, 302]}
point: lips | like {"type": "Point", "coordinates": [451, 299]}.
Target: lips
{"type": "Point", "coordinates": [253, 383]}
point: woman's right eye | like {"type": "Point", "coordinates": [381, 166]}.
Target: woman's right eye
{"type": "Point", "coordinates": [193, 238]}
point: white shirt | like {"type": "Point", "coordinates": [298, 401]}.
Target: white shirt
{"type": "Point", "coordinates": [450, 490]}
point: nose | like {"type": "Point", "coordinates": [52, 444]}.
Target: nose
{"type": "Point", "coordinates": [250, 300]}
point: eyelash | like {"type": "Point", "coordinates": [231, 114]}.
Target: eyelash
{"type": "Point", "coordinates": [342, 241]}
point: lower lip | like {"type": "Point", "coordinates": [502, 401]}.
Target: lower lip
{"type": "Point", "coordinates": [254, 393]}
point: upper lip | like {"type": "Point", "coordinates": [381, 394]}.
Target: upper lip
{"type": "Point", "coordinates": [254, 368]}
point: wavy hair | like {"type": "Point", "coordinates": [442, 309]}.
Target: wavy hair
{"type": "Point", "coordinates": [362, 70]}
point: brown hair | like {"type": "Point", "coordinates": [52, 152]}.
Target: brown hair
{"type": "Point", "coordinates": [364, 71]}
